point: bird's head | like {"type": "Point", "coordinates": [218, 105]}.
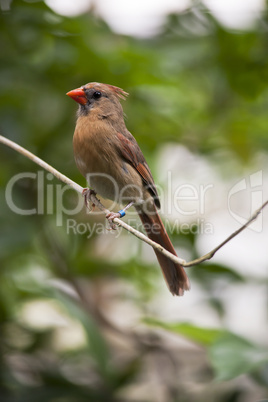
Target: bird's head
{"type": "Point", "coordinates": [103, 98]}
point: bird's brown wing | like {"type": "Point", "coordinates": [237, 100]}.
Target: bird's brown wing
{"type": "Point", "coordinates": [131, 152]}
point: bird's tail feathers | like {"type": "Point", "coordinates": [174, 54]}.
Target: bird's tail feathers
{"type": "Point", "coordinates": [173, 273]}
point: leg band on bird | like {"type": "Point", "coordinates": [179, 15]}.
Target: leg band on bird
{"type": "Point", "coordinates": [122, 213]}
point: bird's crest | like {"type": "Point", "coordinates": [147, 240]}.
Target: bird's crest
{"type": "Point", "coordinates": [118, 91]}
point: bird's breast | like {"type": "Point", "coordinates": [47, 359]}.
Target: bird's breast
{"type": "Point", "coordinates": [96, 152]}
{"type": "Point", "coordinates": [94, 146]}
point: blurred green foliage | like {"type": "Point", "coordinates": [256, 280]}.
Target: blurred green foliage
{"type": "Point", "coordinates": [194, 83]}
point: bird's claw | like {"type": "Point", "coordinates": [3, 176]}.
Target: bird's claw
{"type": "Point", "coordinates": [87, 193]}
{"type": "Point", "coordinates": [110, 217]}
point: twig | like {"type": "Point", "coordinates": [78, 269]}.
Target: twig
{"type": "Point", "coordinates": [121, 223]}
{"type": "Point", "coordinates": [209, 255]}
{"type": "Point", "coordinates": [41, 163]}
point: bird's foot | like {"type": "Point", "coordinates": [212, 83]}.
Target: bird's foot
{"type": "Point", "coordinates": [111, 216]}
{"type": "Point", "coordinates": [87, 193]}
{"type": "Point", "coordinates": [120, 214]}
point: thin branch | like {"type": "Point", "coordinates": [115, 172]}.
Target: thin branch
{"type": "Point", "coordinates": [121, 223]}
{"type": "Point", "coordinates": [209, 255]}
{"type": "Point", "coordinates": [41, 163]}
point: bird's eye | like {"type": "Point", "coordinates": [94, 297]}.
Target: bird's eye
{"type": "Point", "coordinates": [97, 95]}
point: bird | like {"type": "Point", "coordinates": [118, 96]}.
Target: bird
{"type": "Point", "coordinates": [108, 155]}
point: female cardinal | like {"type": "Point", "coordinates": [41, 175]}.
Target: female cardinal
{"type": "Point", "coordinates": [111, 160]}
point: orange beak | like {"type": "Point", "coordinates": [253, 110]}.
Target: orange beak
{"type": "Point", "coordinates": [78, 95]}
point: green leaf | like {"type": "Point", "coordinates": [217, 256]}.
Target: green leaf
{"type": "Point", "coordinates": [232, 356]}
{"type": "Point", "coordinates": [208, 273]}
{"type": "Point", "coordinates": [204, 336]}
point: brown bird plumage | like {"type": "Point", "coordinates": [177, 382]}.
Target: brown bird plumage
{"type": "Point", "coordinates": [111, 160]}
